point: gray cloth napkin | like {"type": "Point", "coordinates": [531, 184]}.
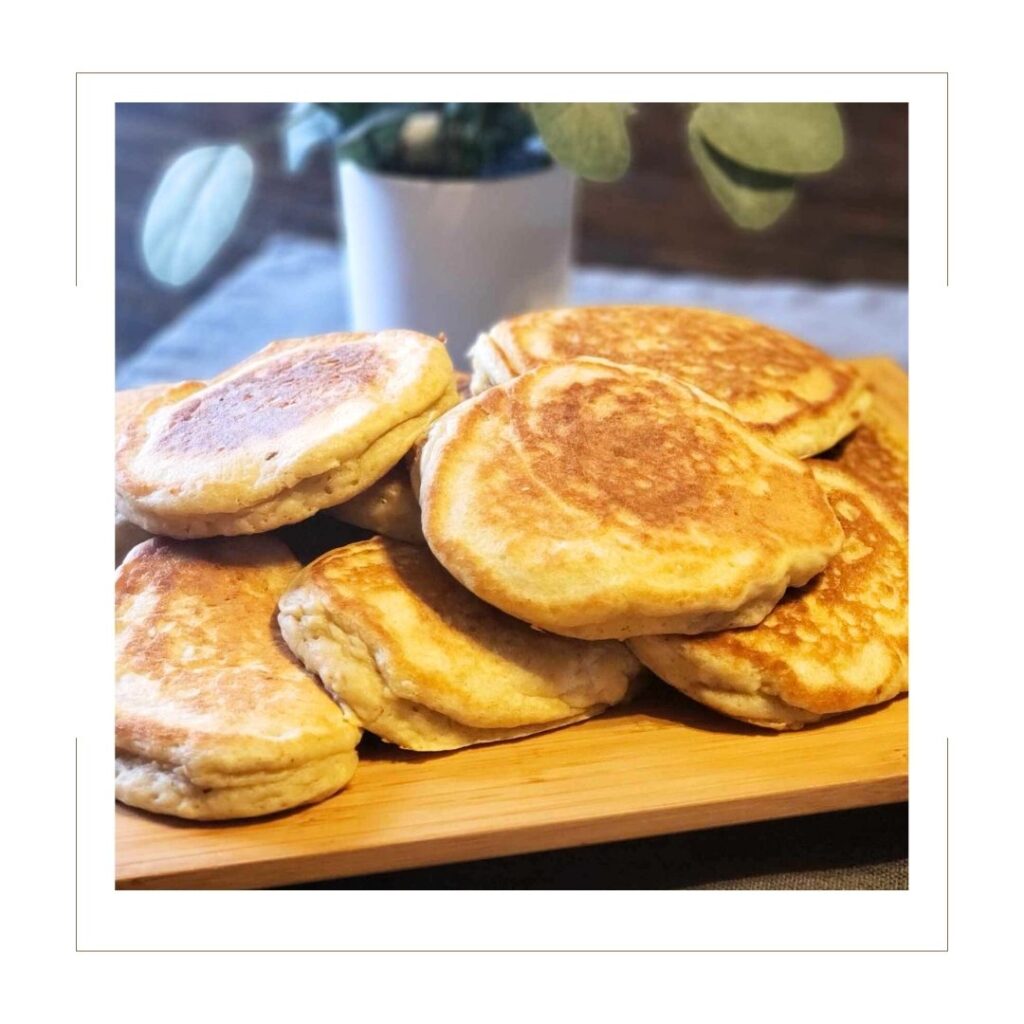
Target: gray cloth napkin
{"type": "Point", "coordinates": [297, 286]}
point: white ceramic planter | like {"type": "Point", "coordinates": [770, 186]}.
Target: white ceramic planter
{"type": "Point", "coordinates": [454, 256]}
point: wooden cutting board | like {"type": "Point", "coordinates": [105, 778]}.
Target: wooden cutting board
{"type": "Point", "coordinates": [661, 765]}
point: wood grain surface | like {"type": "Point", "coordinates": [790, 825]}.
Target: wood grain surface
{"type": "Point", "coordinates": [662, 765]}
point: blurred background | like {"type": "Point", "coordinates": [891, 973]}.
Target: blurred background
{"type": "Point", "coordinates": [847, 226]}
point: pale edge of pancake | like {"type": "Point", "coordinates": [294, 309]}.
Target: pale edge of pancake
{"type": "Point", "coordinates": [802, 440]}
{"type": "Point", "coordinates": [164, 789]}
{"type": "Point", "coordinates": [754, 708]}
{"type": "Point", "coordinates": [387, 507]}
{"type": "Point", "coordinates": [348, 670]}
{"type": "Point", "coordinates": [822, 431]}
{"type": "Point", "coordinates": [489, 368]}
{"type": "Point", "coordinates": [304, 499]}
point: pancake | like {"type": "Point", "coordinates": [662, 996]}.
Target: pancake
{"type": "Point", "coordinates": [303, 425]}
{"type": "Point", "coordinates": [127, 403]}
{"type": "Point", "coordinates": [214, 717]}
{"type": "Point", "coordinates": [388, 507]}
{"type": "Point", "coordinates": [877, 453]}
{"type": "Point", "coordinates": [837, 644]}
{"type": "Point", "coordinates": [603, 501]}
{"type": "Point", "coordinates": [790, 393]}
{"type": "Point", "coordinates": [426, 665]}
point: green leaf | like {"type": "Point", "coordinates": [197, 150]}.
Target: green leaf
{"type": "Point", "coordinates": [194, 210]}
{"type": "Point", "coordinates": [306, 126]}
{"type": "Point", "coordinates": [589, 139]}
{"type": "Point", "coordinates": [753, 200]}
{"type": "Point", "coordinates": [781, 138]}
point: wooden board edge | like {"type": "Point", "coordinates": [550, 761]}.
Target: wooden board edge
{"type": "Point", "coordinates": [528, 839]}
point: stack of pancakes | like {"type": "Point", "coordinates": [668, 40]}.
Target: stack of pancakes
{"type": "Point", "coordinates": [618, 488]}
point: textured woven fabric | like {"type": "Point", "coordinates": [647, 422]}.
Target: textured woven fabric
{"type": "Point", "coordinates": [297, 286]}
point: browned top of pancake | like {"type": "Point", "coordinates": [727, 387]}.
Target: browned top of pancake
{"type": "Point", "coordinates": [274, 396]}
{"type": "Point", "coordinates": [889, 386]}
{"type": "Point", "coordinates": [771, 379]}
{"type": "Point", "coordinates": [588, 482]}
{"type": "Point", "coordinates": [131, 401]}
{"type": "Point", "coordinates": [875, 456]}
{"type": "Point", "coordinates": [203, 676]}
{"type": "Point", "coordinates": [636, 451]}
{"type": "Point", "coordinates": [877, 452]}
{"type": "Point", "coordinates": [292, 412]}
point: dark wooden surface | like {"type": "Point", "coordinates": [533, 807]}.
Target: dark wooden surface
{"type": "Point", "coordinates": [848, 225]}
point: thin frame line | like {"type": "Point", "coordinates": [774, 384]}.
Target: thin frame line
{"type": "Point", "coordinates": [79, 949]}
{"type": "Point", "coordinates": [485, 73]}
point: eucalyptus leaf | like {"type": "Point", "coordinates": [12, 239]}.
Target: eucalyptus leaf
{"type": "Point", "coordinates": [306, 126]}
{"type": "Point", "coordinates": [752, 199]}
{"type": "Point", "coordinates": [589, 139]}
{"type": "Point", "coordinates": [194, 210]}
{"type": "Point", "coordinates": [781, 138]}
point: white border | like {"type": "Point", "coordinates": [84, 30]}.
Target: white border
{"type": "Point", "coordinates": [496, 920]}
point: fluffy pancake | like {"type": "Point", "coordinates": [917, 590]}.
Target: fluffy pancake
{"type": "Point", "coordinates": [605, 501]}
{"type": "Point", "coordinates": [301, 426]}
{"type": "Point", "coordinates": [889, 387]}
{"type": "Point", "coordinates": [792, 394]}
{"type": "Point", "coordinates": [388, 506]}
{"type": "Point", "coordinates": [127, 403]}
{"type": "Point", "coordinates": [426, 665]}
{"type": "Point", "coordinates": [877, 453]}
{"type": "Point", "coordinates": [214, 717]}
{"type": "Point", "coordinates": [837, 644]}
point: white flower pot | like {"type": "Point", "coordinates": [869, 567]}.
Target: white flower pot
{"type": "Point", "coordinates": [454, 256]}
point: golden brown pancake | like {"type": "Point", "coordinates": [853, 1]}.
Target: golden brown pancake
{"type": "Point", "coordinates": [301, 426]}
{"type": "Point", "coordinates": [604, 501]}
{"type": "Point", "coordinates": [837, 644]}
{"type": "Point", "coordinates": [214, 717]}
{"type": "Point", "coordinates": [792, 394]}
{"type": "Point", "coordinates": [877, 453]}
{"type": "Point", "coordinates": [127, 403]}
{"type": "Point", "coordinates": [428, 666]}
